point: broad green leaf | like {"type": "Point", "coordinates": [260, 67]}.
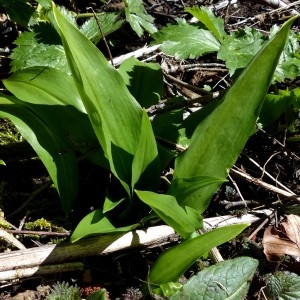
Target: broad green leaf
{"type": "Point", "coordinates": [138, 18]}
{"type": "Point", "coordinates": [186, 41]}
{"type": "Point", "coordinates": [274, 106]}
{"type": "Point", "coordinates": [30, 52]}
{"type": "Point", "coordinates": [114, 113]}
{"type": "Point", "coordinates": [167, 208]}
{"type": "Point", "coordinates": [109, 23]}
{"type": "Point", "coordinates": [1, 161]}
{"type": "Point", "coordinates": [282, 286]}
{"type": "Point", "coordinates": [209, 20]}
{"type": "Point", "coordinates": [188, 188]}
{"type": "Point", "coordinates": [188, 126]}
{"type": "Point", "coordinates": [146, 166]}
{"type": "Point", "coordinates": [166, 125]}
{"type": "Point", "coordinates": [226, 280]}
{"type": "Point", "coordinates": [238, 48]}
{"type": "Point", "coordinates": [96, 223]}
{"type": "Point", "coordinates": [53, 96]}
{"type": "Point", "coordinates": [51, 149]}
{"type": "Point", "coordinates": [144, 81]}
{"type": "Point", "coordinates": [172, 263]}
{"type": "Point", "coordinates": [221, 136]}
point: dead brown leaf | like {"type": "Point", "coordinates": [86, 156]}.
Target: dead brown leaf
{"type": "Point", "coordinates": [284, 240]}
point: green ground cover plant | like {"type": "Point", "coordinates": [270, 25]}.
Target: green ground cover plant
{"type": "Point", "coordinates": [91, 109]}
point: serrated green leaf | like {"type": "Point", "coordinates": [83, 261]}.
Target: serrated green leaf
{"type": "Point", "coordinates": [223, 281]}
{"type": "Point", "coordinates": [186, 41]}
{"type": "Point", "coordinates": [229, 126]}
{"type": "Point", "coordinates": [30, 53]}
{"type": "Point", "coordinates": [114, 113]}
{"type": "Point", "coordinates": [138, 18]}
{"type": "Point", "coordinates": [51, 149]}
{"type": "Point", "coordinates": [45, 3]}
{"type": "Point", "coordinates": [283, 286]}
{"type": "Point", "coordinates": [172, 263]}
{"type": "Point", "coordinates": [109, 23]}
{"type": "Point", "coordinates": [238, 48]}
{"type": "Point", "coordinates": [167, 208]}
{"type": "Point", "coordinates": [96, 223]}
{"type": "Point", "coordinates": [289, 62]}
{"type": "Point", "coordinates": [209, 20]}
{"type": "Point", "coordinates": [144, 80]}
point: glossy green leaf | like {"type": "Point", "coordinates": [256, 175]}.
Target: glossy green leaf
{"type": "Point", "coordinates": [188, 188]}
{"type": "Point", "coordinates": [167, 208]}
{"type": "Point", "coordinates": [113, 112]}
{"type": "Point", "coordinates": [274, 106]}
{"type": "Point", "coordinates": [146, 165]}
{"type": "Point", "coordinates": [96, 223]}
{"type": "Point", "coordinates": [138, 77]}
{"type": "Point", "coordinates": [172, 263]}
{"type": "Point", "coordinates": [2, 162]}
{"type": "Point", "coordinates": [109, 204]}
{"type": "Point", "coordinates": [166, 125]}
{"type": "Point", "coordinates": [53, 96]}
{"type": "Point", "coordinates": [226, 280]}
{"type": "Point", "coordinates": [220, 137]}
{"type": "Point", "coordinates": [51, 149]}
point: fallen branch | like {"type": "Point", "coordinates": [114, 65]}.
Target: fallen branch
{"type": "Point", "coordinates": [24, 263]}
{"type": "Point", "coordinates": [266, 186]}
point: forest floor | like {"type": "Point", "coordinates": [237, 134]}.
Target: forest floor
{"type": "Point", "coordinates": [26, 194]}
